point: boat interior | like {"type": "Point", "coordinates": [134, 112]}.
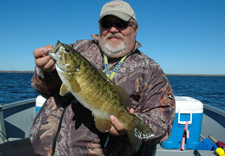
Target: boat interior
{"type": "Point", "coordinates": [17, 118]}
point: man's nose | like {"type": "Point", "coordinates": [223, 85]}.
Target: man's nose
{"type": "Point", "coordinates": [113, 29]}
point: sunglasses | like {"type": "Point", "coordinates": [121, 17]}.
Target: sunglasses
{"type": "Point", "coordinates": [118, 24]}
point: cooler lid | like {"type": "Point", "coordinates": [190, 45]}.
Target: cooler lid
{"type": "Point", "coordinates": [40, 100]}
{"type": "Point", "coordinates": [188, 104]}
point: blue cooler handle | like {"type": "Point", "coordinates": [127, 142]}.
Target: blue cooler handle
{"type": "Point", "coordinates": [189, 112]}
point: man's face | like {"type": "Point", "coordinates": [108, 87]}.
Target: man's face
{"type": "Point", "coordinates": [116, 40]}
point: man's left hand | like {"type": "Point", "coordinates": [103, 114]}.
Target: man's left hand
{"type": "Point", "coordinates": [117, 127]}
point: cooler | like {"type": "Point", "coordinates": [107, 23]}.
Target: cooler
{"type": "Point", "coordinates": [39, 103]}
{"type": "Point", "coordinates": [187, 110]}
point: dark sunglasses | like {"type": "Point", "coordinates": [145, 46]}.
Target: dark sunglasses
{"type": "Point", "coordinates": [118, 24]}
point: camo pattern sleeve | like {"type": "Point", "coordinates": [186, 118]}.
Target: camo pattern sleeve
{"type": "Point", "coordinates": [46, 84]}
{"type": "Point", "coordinates": [151, 94]}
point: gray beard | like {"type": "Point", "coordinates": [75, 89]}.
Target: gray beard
{"type": "Point", "coordinates": [120, 49]}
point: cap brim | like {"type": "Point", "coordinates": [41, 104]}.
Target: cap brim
{"type": "Point", "coordinates": [120, 15]}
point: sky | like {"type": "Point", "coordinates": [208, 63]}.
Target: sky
{"type": "Point", "coordinates": [182, 36]}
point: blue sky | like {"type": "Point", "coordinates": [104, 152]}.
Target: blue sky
{"type": "Point", "coordinates": [183, 36]}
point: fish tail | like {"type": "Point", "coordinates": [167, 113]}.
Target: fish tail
{"type": "Point", "coordinates": [138, 131]}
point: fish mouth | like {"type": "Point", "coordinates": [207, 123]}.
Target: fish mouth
{"type": "Point", "coordinates": [55, 54]}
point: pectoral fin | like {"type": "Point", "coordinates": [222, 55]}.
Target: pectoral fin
{"type": "Point", "coordinates": [102, 124]}
{"type": "Point", "coordinates": [75, 87]}
{"type": "Point", "coordinates": [64, 90]}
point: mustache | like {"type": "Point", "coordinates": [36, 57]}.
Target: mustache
{"type": "Point", "coordinates": [116, 35]}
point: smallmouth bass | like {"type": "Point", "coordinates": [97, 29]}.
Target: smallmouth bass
{"type": "Point", "coordinates": [97, 93]}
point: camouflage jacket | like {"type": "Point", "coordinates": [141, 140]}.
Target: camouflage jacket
{"type": "Point", "coordinates": [65, 127]}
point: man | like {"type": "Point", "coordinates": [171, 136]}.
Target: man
{"type": "Point", "coordinates": [64, 127]}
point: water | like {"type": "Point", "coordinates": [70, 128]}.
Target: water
{"type": "Point", "coordinates": [209, 90]}
{"type": "Point", "coordinates": [15, 87]}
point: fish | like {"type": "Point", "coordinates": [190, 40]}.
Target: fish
{"type": "Point", "coordinates": [98, 93]}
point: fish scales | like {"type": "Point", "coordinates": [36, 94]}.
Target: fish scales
{"type": "Point", "coordinates": [90, 78]}
{"type": "Point", "coordinates": [93, 80]}
{"type": "Point", "coordinates": [97, 93]}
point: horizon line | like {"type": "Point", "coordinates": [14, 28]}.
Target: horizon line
{"type": "Point", "coordinates": [32, 71]}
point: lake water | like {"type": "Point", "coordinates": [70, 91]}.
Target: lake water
{"type": "Point", "coordinates": [15, 87]}
{"type": "Point", "coordinates": [208, 89]}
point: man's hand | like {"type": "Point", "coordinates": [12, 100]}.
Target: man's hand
{"type": "Point", "coordinates": [94, 148]}
{"type": "Point", "coordinates": [43, 60]}
{"type": "Point", "coordinates": [117, 127]}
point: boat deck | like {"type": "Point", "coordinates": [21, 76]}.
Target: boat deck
{"type": "Point", "coordinates": [17, 118]}
{"type": "Point", "coordinates": [177, 152]}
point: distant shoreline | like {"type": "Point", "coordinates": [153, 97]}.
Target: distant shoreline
{"type": "Point", "coordinates": [218, 75]}
{"type": "Point", "coordinates": [15, 71]}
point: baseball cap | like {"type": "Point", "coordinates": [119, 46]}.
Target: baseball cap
{"type": "Point", "coordinates": [118, 8]}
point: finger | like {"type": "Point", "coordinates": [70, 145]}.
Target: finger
{"type": "Point", "coordinates": [95, 149]}
{"type": "Point", "coordinates": [117, 127]}
{"type": "Point", "coordinates": [40, 52]}
{"type": "Point", "coordinates": [113, 131]}
{"type": "Point", "coordinates": [93, 145]}
{"type": "Point", "coordinates": [50, 66]}
{"type": "Point", "coordinates": [96, 152]}
{"type": "Point", "coordinates": [131, 110]}
{"type": "Point", "coordinates": [43, 51]}
{"type": "Point", "coordinates": [42, 61]}
{"type": "Point", "coordinates": [46, 64]}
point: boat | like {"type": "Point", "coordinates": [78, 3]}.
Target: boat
{"type": "Point", "coordinates": [16, 120]}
